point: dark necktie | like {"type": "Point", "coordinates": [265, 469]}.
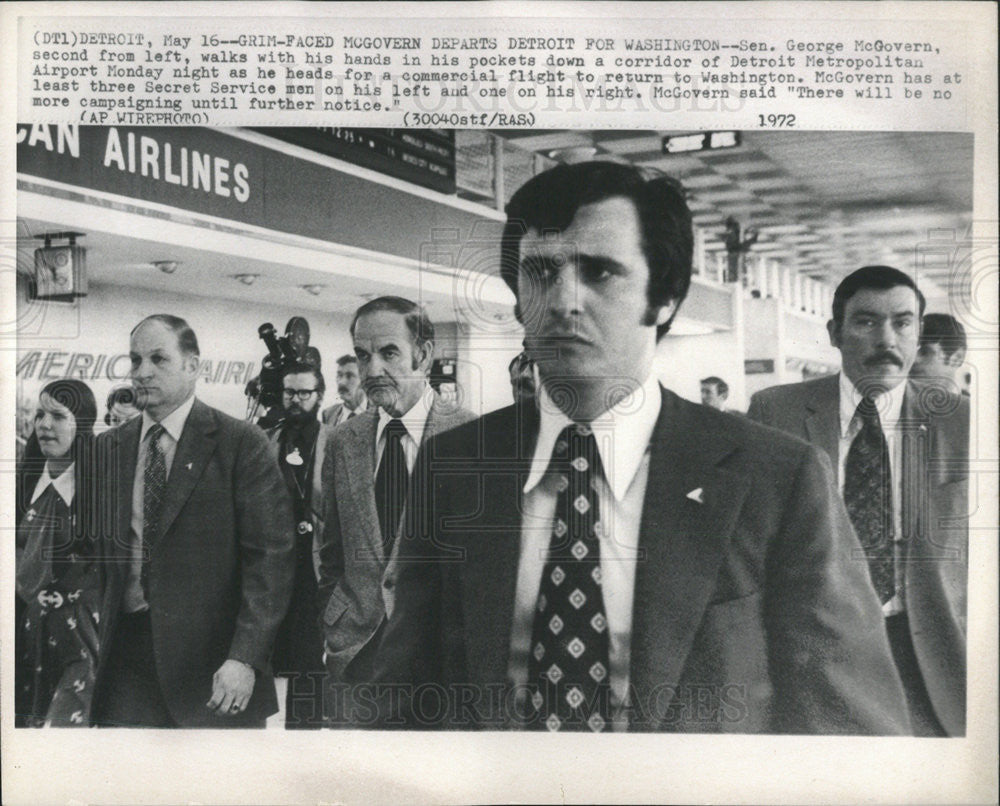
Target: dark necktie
{"type": "Point", "coordinates": [868, 497]}
{"type": "Point", "coordinates": [391, 483]}
{"type": "Point", "coordinates": [569, 664]}
{"type": "Point", "coordinates": [154, 480]}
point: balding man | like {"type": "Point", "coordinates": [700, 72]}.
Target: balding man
{"type": "Point", "coordinates": [198, 557]}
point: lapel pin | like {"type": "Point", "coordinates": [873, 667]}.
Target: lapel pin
{"type": "Point", "coordinates": [697, 495]}
{"type": "Point", "coordinates": [189, 465]}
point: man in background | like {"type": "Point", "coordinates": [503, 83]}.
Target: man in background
{"type": "Point", "coordinates": [942, 352]}
{"type": "Point", "coordinates": [902, 466]}
{"type": "Point", "coordinates": [298, 447]}
{"type": "Point", "coordinates": [714, 392]}
{"type": "Point", "coordinates": [522, 377]}
{"type": "Point", "coordinates": [352, 394]}
{"type": "Point", "coordinates": [366, 475]}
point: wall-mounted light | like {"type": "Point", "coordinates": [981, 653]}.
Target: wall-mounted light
{"type": "Point", "coordinates": [246, 279]}
{"type": "Point", "coordinates": [573, 154]}
{"type": "Point", "coordinates": [313, 288]}
{"type": "Point", "coordinates": [166, 266]}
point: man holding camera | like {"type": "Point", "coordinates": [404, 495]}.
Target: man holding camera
{"type": "Point", "coordinates": [299, 448]}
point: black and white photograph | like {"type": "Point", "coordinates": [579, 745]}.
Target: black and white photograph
{"type": "Point", "coordinates": [379, 448]}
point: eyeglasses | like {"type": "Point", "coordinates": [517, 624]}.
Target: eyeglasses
{"type": "Point", "coordinates": [301, 394]}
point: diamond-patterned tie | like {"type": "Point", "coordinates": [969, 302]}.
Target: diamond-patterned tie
{"type": "Point", "coordinates": [154, 480]}
{"type": "Point", "coordinates": [868, 497]}
{"type": "Point", "coordinates": [569, 665]}
{"type": "Point", "coordinates": [391, 483]}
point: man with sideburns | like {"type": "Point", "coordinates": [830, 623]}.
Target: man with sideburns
{"type": "Point", "coordinates": [368, 462]}
{"type": "Point", "coordinates": [614, 557]}
{"type": "Point", "coordinates": [901, 450]}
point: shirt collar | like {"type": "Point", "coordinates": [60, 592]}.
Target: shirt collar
{"type": "Point", "coordinates": [631, 420]}
{"type": "Point", "coordinates": [414, 420]}
{"type": "Point", "coordinates": [362, 404]}
{"type": "Point", "coordinates": [65, 484]}
{"type": "Point", "coordinates": [173, 423]}
{"type": "Point", "coordinates": [888, 404]}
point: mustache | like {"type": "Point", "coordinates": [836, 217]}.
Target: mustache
{"type": "Point", "coordinates": [882, 358]}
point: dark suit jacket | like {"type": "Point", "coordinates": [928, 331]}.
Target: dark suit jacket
{"type": "Point", "coordinates": [934, 425]}
{"type": "Point", "coordinates": [221, 572]}
{"type": "Point", "coordinates": [352, 559]}
{"type": "Point", "coordinates": [750, 614]}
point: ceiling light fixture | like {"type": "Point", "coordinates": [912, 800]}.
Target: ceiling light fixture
{"type": "Point", "coordinates": [166, 266]}
{"type": "Point", "coordinates": [313, 288]}
{"type": "Point", "coordinates": [246, 279]}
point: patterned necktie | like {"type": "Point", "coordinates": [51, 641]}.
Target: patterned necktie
{"type": "Point", "coordinates": [868, 497]}
{"type": "Point", "coordinates": [569, 662]}
{"type": "Point", "coordinates": [154, 480]}
{"type": "Point", "coordinates": [391, 483]}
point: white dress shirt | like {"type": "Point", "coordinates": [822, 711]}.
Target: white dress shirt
{"type": "Point", "coordinates": [623, 434]}
{"type": "Point", "coordinates": [173, 425]}
{"type": "Point", "coordinates": [889, 406]}
{"type": "Point", "coordinates": [344, 413]}
{"type": "Point", "coordinates": [415, 421]}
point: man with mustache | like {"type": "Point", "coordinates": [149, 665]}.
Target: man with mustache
{"type": "Point", "coordinates": [366, 473]}
{"type": "Point", "coordinates": [297, 442]}
{"type": "Point", "coordinates": [901, 453]}
{"type": "Point", "coordinates": [352, 394]}
{"type": "Point", "coordinates": [615, 557]}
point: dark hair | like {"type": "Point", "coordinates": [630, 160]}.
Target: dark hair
{"type": "Point", "coordinates": [186, 340]}
{"type": "Point", "coordinates": [881, 278]}
{"type": "Point", "coordinates": [76, 396]}
{"type": "Point", "coordinates": [79, 399]}
{"type": "Point", "coordinates": [417, 321]}
{"type": "Point", "coordinates": [721, 387]}
{"type": "Point", "coordinates": [943, 329]}
{"type": "Point", "coordinates": [301, 368]}
{"type": "Point", "coordinates": [549, 202]}
{"type": "Point", "coordinates": [125, 395]}
{"type": "Point", "coordinates": [347, 358]}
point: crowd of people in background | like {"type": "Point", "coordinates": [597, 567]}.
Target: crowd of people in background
{"type": "Point", "coordinates": [611, 563]}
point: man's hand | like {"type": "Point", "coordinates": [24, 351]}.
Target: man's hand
{"type": "Point", "coordinates": [232, 686]}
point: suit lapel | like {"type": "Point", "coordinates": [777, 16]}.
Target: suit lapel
{"type": "Point", "coordinates": [489, 571]}
{"type": "Point", "coordinates": [689, 512]}
{"type": "Point", "coordinates": [359, 451]}
{"type": "Point", "coordinates": [822, 420]}
{"type": "Point", "coordinates": [194, 449]}
{"type": "Point", "coordinates": [915, 434]}
{"type": "Point", "coordinates": [124, 459]}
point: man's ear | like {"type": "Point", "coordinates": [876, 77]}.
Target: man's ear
{"type": "Point", "coordinates": [664, 312]}
{"type": "Point", "coordinates": [426, 357]}
{"type": "Point", "coordinates": [834, 330]}
{"type": "Point", "coordinates": [193, 363]}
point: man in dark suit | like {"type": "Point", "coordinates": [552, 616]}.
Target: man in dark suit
{"type": "Point", "coordinates": [366, 471]}
{"type": "Point", "coordinates": [353, 400]}
{"type": "Point", "coordinates": [618, 558]}
{"type": "Point", "coordinates": [911, 515]}
{"type": "Point", "coordinates": [198, 557]}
